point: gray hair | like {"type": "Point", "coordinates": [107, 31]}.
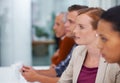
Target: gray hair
{"type": "Point", "coordinates": [64, 19]}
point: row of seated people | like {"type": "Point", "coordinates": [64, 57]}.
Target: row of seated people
{"type": "Point", "coordinates": [78, 59]}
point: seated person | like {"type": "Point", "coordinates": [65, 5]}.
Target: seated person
{"type": "Point", "coordinates": [109, 42]}
{"type": "Point", "coordinates": [66, 43]}
{"type": "Point", "coordinates": [87, 66]}
{"type": "Point", "coordinates": [46, 76]}
{"type": "Point", "coordinates": [84, 64]}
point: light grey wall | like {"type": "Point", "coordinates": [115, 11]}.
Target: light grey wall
{"type": "Point", "coordinates": [105, 4]}
{"type": "Point", "coordinates": [16, 32]}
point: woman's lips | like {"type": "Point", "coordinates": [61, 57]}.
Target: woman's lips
{"type": "Point", "coordinates": [103, 55]}
{"type": "Point", "coordinates": [67, 31]}
{"type": "Point", "coordinates": [77, 37]}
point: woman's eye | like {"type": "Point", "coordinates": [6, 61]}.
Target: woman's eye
{"type": "Point", "coordinates": [103, 39]}
{"type": "Point", "coordinates": [70, 21]}
{"type": "Point", "coordinates": [81, 27]}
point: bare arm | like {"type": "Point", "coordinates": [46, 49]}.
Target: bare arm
{"type": "Point", "coordinates": [46, 79]}
{"type": "Point", "coordinates": [31, 75]}
{"type": "Point", "coordinates": [50, 72]}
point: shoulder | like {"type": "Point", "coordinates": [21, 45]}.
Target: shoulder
{"type": "Point", "coordinates": [79, 49]}
{"type": "Point", "coordinates": [114, 72]}
{"type": "Point", "coordinates": [114, 68]}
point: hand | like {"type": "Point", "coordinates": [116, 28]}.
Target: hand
{"type": "Point", "coordinates": [29, 74]}
{"type": "Point", "coordinates": [24, 68]}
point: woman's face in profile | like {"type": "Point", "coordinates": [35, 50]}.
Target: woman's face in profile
{"type": "Point", "coordinates": [108, 42]}
{"type": "Point", "coordinates": [83, 32]}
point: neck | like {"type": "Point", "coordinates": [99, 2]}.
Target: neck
{"type": "Point", "coordinates": [93, 50]}
{"type": "Point", "coordinates": [93, 55]}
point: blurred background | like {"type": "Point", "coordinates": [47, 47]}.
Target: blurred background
{"type": "Point", "coordinates": [26, 33]}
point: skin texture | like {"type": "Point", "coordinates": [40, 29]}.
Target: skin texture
{"type": "Point", "coordinates": [108, 42]}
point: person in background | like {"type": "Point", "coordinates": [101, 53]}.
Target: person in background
{"type": "Point", "coordinates": [69, 25]}
{"type": "Point", "coordinates": [84, 64]}
{"type": "Point", "coordinates": [66, 43]}
{"type": "Point", "coordinates": [47, 75]}
{"type": "Point", "coordinates": [109, 41]}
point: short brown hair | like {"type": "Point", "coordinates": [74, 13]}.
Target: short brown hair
{"type": "Point", "coordinates": [76, 7]}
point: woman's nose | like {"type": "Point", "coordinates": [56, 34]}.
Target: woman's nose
{"type": "Point", "coordinates": [75, 29]}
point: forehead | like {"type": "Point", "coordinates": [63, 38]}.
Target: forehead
{"type": "Point", "coordinates": [72, 14]}
{"type": "Point", "coordinates": [83, 18]}
{"type": "Point", "coordinates": [59, 17]}
{"type": "Point", "coordinates": [106, 28]}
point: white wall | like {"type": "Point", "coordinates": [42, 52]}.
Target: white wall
{"type": "Point", "coordinates": [105, 4]}
{"type": "Point", "coordinates": [16, 33]}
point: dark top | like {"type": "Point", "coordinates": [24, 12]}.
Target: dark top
{"type": "Point", "coordinates": [87, 75]}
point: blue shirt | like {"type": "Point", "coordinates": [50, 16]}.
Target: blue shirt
{"type": "Point", "coordinates": [63, 64]}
